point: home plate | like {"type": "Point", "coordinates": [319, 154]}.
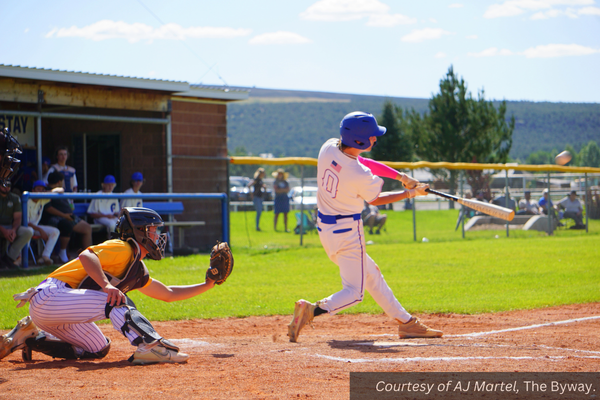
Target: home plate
{"type": "Point", "coordinates": [191, 342]}
{"type": "Point", "coordinates": [392, 344]}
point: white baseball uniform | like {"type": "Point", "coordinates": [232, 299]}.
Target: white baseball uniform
{"type": "Point", "coordinates": [105, 206]}
{"type": "Point", "coordinates": [34, 215]}
{"type": "Point", "coordinates": [344, 184]}
{"type": "Point", "coordinates": [131, 202]}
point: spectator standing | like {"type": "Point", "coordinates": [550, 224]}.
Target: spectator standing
{"type": "Point", "coordinates": [105, 211]}
{"type": "Point", "coordinates": [59, 213]}
{"type": "Point", "coordinates": [281, 187]}
{"type": "Point", "coordinates": [137, 180]}
{"type": "Point", "coordinates": [258, 193]}
{"type": "Point", "coordinates": [528, 206]}
{"type": "Point", "coordinates": [573, 209]}
{"type": "Point", "coordinates": [10, 226]}
{"type": "Point", "coordinates": [49, 234]}
{"type": "Point", "coordinates": [70, 177]}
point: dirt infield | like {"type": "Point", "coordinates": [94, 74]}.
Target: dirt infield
{"type": "Point", "coordinates": [251, 358]}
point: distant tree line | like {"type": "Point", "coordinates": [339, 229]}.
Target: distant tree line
{"type": "Point", "coordinates": [451, 126]}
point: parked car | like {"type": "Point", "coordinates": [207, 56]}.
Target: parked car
{"type": "Point", "coordinates": [310, 195]}
{"type": "Point", "coordinates": [239, 190]}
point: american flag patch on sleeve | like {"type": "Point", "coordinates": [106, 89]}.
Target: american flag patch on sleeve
{"type": "Point", "coordinates": [336, 166]}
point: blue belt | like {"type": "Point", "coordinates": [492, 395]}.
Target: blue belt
{"type": "Point", "coordinates": [332, 219]}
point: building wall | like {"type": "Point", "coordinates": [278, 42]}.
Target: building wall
{"type": "Point", "coordinates": [199, 141]}
{"type": "Point", "coordinates": [199, 138]}
{"type": "Point", "coordinates": [142, 148]}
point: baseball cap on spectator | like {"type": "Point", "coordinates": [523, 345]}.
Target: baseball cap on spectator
{"type": "Point", "coordinates": [39, 183]}
{"type": "Point", "coordinates": [137, 176]}
{"type": "Point", "coordinates": [55, 177]}
{"type": "Point", "coordinates": [544, 191]}
{"type": "Point", "coordinates": [109, 179]}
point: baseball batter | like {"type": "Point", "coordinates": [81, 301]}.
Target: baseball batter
{"type": "Point", "coordinates": [345, 181]}
{"type": "Point", "coordinates": [93, 287]}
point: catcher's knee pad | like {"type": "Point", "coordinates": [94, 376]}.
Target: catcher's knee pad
{"type": "Point", "coordinates": [57, 348]}
{"type": "Point", "coordinates": [136, 322]}
{"type": "Point", "coordinates": [98, 354]}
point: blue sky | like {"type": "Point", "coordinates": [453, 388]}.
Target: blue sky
{"type": "Point", "coordinates": [537, 50]}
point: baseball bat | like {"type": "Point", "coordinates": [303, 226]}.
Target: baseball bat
{"type": "Point", "coordinates": [486, 208]}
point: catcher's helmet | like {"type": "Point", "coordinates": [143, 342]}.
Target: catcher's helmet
{"type": "Point", "coordinates": [134, 223]}
{"type": "Point", "coordinates": [9, 147]}
{"type": "Point", "coordinates": [357, 127]}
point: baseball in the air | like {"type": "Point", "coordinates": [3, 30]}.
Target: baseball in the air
{"type": "Point", "coordinates": [563, 158]}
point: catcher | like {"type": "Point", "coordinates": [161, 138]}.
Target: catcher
{"type": "Point", "coordinates": [94, 287]}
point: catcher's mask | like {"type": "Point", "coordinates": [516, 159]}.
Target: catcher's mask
{"type": "Point", "coordinates": [357, 127]}
{"type": "Point", "coordinates": [135, 222]}
{"type": "Point", "coordinates": [9, 148]}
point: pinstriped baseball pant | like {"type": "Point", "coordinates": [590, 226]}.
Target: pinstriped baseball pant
{"type": "Point", "coordinates": [69, 314]}
{"type": "Point", "coordinates": [344, 243]}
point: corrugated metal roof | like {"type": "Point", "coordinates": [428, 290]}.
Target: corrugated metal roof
{"type": "Point", "coordinates": [178, 88]}
{"type": "Point", "coordinates": [216, 92]}
{"type": "Point", "coordinates": [84, 78]}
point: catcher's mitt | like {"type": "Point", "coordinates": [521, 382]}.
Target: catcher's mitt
{"type": "Point", "coordinates": [221, 263]}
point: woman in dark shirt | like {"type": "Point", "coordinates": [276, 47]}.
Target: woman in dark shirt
{"type": "Point", "coordinates": [258, 193]}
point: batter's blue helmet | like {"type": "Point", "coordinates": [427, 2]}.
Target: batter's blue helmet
{"type": "Point", "coordinates": [357, 127]}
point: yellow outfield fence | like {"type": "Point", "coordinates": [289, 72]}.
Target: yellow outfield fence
{"type": "Point", "coordinates": [562, 179]}
{"type": "Point", "coordinates": [422, 164]}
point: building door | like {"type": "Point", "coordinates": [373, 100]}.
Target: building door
{"type": "Point", "coordinates": [101, 157]}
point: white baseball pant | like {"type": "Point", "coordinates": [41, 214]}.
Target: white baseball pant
{"type": "Point", "coordinates": [344, 243]}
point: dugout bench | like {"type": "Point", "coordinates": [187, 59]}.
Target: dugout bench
{"type": "Point", "coordinates": [163, 208]}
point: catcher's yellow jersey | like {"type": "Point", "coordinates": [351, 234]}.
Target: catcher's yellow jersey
{"type": "Point", "coordinates": [115, 257]}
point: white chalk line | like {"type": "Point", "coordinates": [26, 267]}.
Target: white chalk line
{"type": "Point", "coordinates": [568, 321]}
{"type": "Point", "coordinates": [520, 328]}
{"type": "Point", "coordinates": [486, 345]}
{"type": "Point", "coordinates": [444, 359]}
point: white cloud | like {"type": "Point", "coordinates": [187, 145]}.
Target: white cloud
{"type": "Point", "coordinates": [589, 11]}
{"type": "Point", "coordinates": [471, 37]}
{"type": "Point", "coordinates": [279, 37]}
{"type": "Point", "coordinates": [553, 13]}
{"type": "Point", "coordinates": [343, 10]}
{"type": "Point", "coordinates": [491, 52]}
{"type": "Point", "coordinates": [26, 30]}
{"type": "Point", "coordinates": [559, 50]}
{"type": "Point", "coordinates": [107, 29]}
{"type": "Point", "coordinates": [543, 51]}
{"type": "Point", "coordinates": [456, 5]}
{"type": "Point", "coordinates": [376, 12]}
{"type": "Point", "coordinates": [388, 20]}
{"type": "Point", "coordinates": [512, 8]}
{"type": "Point", "coordinates": [440, 54]}
{"type": "Point", "coordinates": [420, 35]}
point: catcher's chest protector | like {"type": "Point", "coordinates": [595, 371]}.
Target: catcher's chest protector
{"type": "Point", "coordinates": [137, 275]}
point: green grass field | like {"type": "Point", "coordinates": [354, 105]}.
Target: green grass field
{"type": "Point", "coordinates": [485, 272]}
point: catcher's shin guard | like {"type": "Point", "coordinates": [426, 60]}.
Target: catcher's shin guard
{"type": "Point", "coordinates": [136, 322]}
{"type": "Point", "coordinates": [57, 348]}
